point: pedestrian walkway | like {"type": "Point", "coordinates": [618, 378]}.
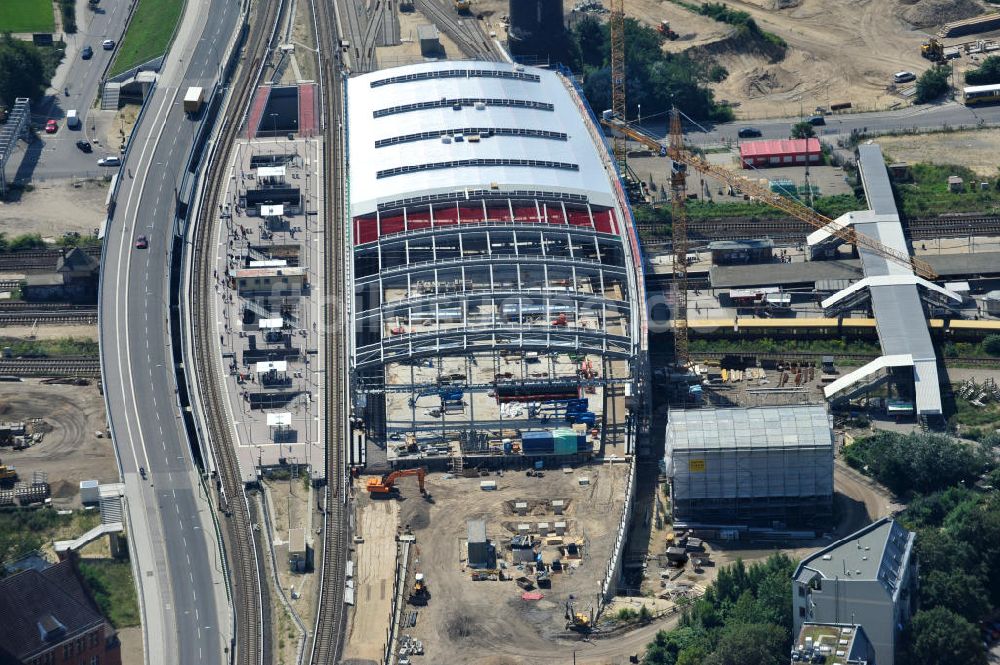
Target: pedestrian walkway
{"type": "Point", "coordinates": [307, 109]}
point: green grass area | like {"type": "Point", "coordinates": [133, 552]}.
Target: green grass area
{"type": "Point", "coordinates": [26, 16]}
{"type": "Point", "coordinates": [148, 33]}
{"type": "Point", "coordinates": [112, 586]}
{"type": "Point", "coordinates": [831, 206]}
{"type": "Point", "coordinates": [49, 348]}
{"type": "Point", "coordinates": [975, 421]}
{"type": "Point", "coordinates": [767, 345]}
{"type": "Point", "coordinates": [928, 194]}
{"type": "Point", "coordinates": [23, 531]}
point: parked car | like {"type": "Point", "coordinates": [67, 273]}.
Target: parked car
{"type": "Point", "coordinates": [817, 120]}
{"type": "Point", "coordinates": [84, 146]}
{"type": "Point", "coordinates": [109, 161]}
{"type": "Point", "coordinates": [904, 77]}
{"type": "Point", "coordinates": [141, 242]}
{"type": "Point", "coordinates": [108, 44]}
{"type": "Point", "coordinates": [51, 127]}
{"type": "Point", "coordinates": [749, 133]}
{"type": "Point", "coordinates": [87, 53]}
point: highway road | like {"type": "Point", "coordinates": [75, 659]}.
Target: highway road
{"type": "Point", "coordinates": [186, 614]}
{"type": "Point", "coordinates": [56, 155]}
{"type": "Point", "coordinates": [924, 117]}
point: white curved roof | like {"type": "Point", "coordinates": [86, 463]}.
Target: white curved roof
{"type": "Point", "coordinates": [558, 154]}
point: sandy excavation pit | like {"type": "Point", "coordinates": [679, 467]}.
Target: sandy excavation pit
{"type": "Point", "coordinates": [470, 621]}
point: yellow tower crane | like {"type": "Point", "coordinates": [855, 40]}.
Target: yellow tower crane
{"type": "Point", "coordinates": [678, 153]}
{"type": "Point", "coordinates": [679, 232]}
{"type": "Point", "coordinates": [618, 108]}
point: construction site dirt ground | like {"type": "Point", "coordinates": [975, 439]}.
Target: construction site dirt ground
{"type": "Point", "coordinates": [858, 501]}
{"type": "Point", "coordinates": [71, 451]}
{"type": "Point", "coordinates": [487, 622]}
{"type": "Point", "coordinates": [42, 332]}
{"type": "Point", "coordinates": [975, 149]}
{"type": "Point", "coordinates": [55, 207]}
{"type": "Point", "coordinates": [376, 523]}
{"type": "Point", "coordinates": [837, 52]}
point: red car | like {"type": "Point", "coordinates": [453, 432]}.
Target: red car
{"type": "Point", "coordinates": [51, 127]}
{"type": "Point", "coordinates": [141, 242]}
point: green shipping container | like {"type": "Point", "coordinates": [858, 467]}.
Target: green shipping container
{"type": "Point", "coordinates": [565, 441]}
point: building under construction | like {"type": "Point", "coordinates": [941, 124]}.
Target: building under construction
{"type": "Point", "coordinates": [496, 274]}
{"type": "Point", "coordinates": [764, 467]}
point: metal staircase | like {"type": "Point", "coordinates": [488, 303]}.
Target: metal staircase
{"type": "Point", "coordinates": [112, 93]}
{"type": "Point", "coordinates": [16, 127]}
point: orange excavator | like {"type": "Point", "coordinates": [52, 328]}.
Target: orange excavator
{"type": "Point", "coordinates": [385, 485]}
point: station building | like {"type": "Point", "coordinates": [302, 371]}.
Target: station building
{"type": "Point", "coordinates": [497, 304]}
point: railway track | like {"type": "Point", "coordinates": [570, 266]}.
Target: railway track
{"type": "Point", "coordinates": [920, 229]}
{"type": "Point", "coordinates": [357, 30]}
{"type": "Point", "coordinates": [328, 634]}
{"type": "Point", "coordinates": [812, 358]}
{"type": "Point", "coordinates": [464, 31]}
{"type": "Point", "coordinates": [20, 313]}
{"type": "Point", "coordinates": [8, 306]}
{"type": "Point", "coordinates": [251, 642]}
{"type": "Point", "coordinates": [81, 366]}
{"type": "Point", "coordinates": [48, 318]}
{"type": "Point", "coordinates": [389, 35]}
{"type": "Point", "coordinates": [38, 259]}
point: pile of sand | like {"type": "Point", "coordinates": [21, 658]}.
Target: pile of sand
{"type": "Point", "coordinates": [927, 13]}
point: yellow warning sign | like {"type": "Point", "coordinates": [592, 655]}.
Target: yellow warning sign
{"type": "Point", "coordinates": [696, 466]}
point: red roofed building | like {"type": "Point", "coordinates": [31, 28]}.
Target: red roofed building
{"type": "Point", "coordinates": [781, 152]}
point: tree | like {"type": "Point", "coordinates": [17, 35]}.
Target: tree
{"type": "Point", "coordinates": [938, 636]}
{"type": "Point", "coordinates": [26, 241]}
{"type": "Point", "coordinates": [991, 344]}
{"type": "Point", "coordinates": [916, 462]}
{"type": "Point", "coordinates": [932, 84]}
{"type": "Point", "coordinates": [22, 72]}
{"type": "Point", "coordinates": [957, 591]}
{"type": "Point", "coordinates": [655, 80]}
{"type": "Point", "coordinates": [987, 73]}
{"type": "Point", "coordinates": [938, 550]}
{"type": "Point", "coordinates": [592, 37]}
{"type": "Point", "coordinates": [751, 644]}
{"type": "Point", "coordinates": [803, 130]}
{"type": "Point", "coordinates": [668, 645]}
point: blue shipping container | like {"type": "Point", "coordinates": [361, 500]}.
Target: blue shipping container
{"type": "Point", "coordinates": [537, 447]}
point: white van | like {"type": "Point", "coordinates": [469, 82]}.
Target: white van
{"type": "Point", "coordinates": [72, 119]}
{"type": "Point", "coordinates": [904, 77]}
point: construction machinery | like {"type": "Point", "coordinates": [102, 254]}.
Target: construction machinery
{"type": "Point", "coordinates": [763, 194]}
{"type": "Point", "coordinates": [7, 473]}
{"type": "Point", "coordinates": [578, 621]}
{"type": "Point", "coordinates": [462, 5]}
{"type": "Point", "coordinates": [933, 50]}
{"type": "Point", "coordinates": [684, 159]}
{"type": "Point", "coordinates": [664, 29]}
{"type": "Point", "coordinates": [385, 486]}
{"type": "Point", "coordinates": [420, 595]}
